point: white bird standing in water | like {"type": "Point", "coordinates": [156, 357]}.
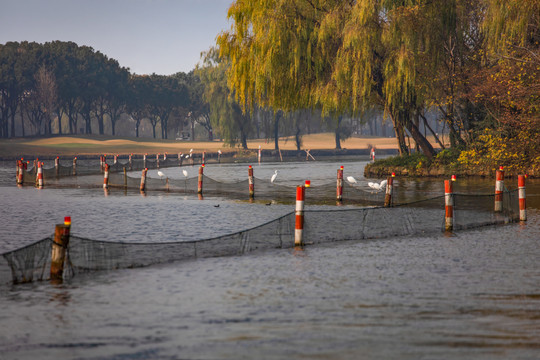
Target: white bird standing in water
{"type": "Point", "coordinates": [351, 180]}
{"type": "Point", "coordinates": [274, 177]}
{"type": "Point", "coordinates": [377, 186]}
{"type": "Point", "coordinates": [161, 174]}
{"type": "Point", "coordinates": [185, 173]}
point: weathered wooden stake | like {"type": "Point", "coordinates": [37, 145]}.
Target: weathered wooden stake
{"type": "Point", "coordinates": [200, 180]}
{"type": "Point", "coordinates": [59, 246]}
{"type": "Point", "coordinates": [299, 214]}
{"type": "Point", "coordinates": [125, 178]}
{"type": "Point", "coordinates": [143, 179]}
{"type": "Point", "coordinates": [389, 191]}
{"type": "Point", "coordinates": [499, 187]}
{"type": "Point", "coordinates": [339, 189]}
{"type": "Point", "coordinates": [448, 205]}
{"type": "Point", "coordinates": [522, 198]}
{"type": "Point", "coordinates": [251, 182]}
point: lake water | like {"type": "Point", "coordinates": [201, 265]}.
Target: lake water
{"type": "Point", "coordinates": [470, 295]}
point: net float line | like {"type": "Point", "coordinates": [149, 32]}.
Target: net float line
{"type": "Point", "coordinates": [299, 215]}
{"type": "Point", "coordinates": [143, 180]}
{"type": "Point", "coordinates": [106, 177]}
{"type": "Point", "coordinates": [522, 198]}
{"type": "Point", "coordinates": [499, 187]}
{"type": "Point", "coordinates": [448, 205]}
{"type": "Point", "coordinates": [389, 190]}
{"type": "Point", "coordinates": [339, 189]}
{"type": "Point", "coordinates": [251, 182]}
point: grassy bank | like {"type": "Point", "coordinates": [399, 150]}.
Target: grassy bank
{"type": "Point", "coordinates": [95, 145]}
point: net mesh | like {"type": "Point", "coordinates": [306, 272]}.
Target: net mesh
{"type": "Point", "coordinates": [422, 217]}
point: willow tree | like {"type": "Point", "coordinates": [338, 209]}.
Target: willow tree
{"type": "Point", "coordinates": [226, 114]}
{"type": "Point", "coordinates": [338, 56]}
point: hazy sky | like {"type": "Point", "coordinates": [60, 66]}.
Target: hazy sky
{"type": "Point", "coordinates": [147, 36]}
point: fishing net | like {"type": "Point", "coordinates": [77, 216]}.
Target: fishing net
{"type": "Point", "coordinates": [320, 226]}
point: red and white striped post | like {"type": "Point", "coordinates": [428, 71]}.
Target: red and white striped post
{"type": "Point", "coordinates": [157, 160]}
{"type": "Point", "coordinates": [204, 157]}
{"type": "Point", "coordinates": [299, 212]}
{"type": "Point", "coordinates": [339, 189]}
{"type": "Point", "coordinates": [389, 190]}
{"type": "Point", "coordinates": [372, 154]}
{"type": "Point", "coordinates": [259, 155]}
{"type": "Point", "coordinates": [106, 177]}
{"type": "Point", "coordinates": [200, 180]}
{"type": "Point", "coordinates": [448, 205]}
{"type": "Point", "coordinates": [219, 156]}
{"type": "Point", "coordinates": [115, 159]}
{"type": "Point", "coordinates": [251, 182]}
{"type": "Point", "coordinates": [130, 161]}
{"type": "Point", "coordinates": [39, 179]}
{"type": "Point", "coordinates": [143, 179]}
{"type": "Point", "coordinates": [165, 157]}
{"type": "Point", "coordinates": [144, 161]}
{"type": "Point", "coordinates": [20, 172]}
{"type": "Point", "coordinates": [522, 198]}
{"type": "Point", "coordinates": [57, 162]}
{"type": "Point", "coordinates": [499, 187]}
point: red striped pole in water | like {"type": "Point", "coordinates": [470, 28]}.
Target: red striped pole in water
{"type": "Point", "coordinates": [157, 160]}
{"type": "Point", "coordinates": [204, 157]}
{"type": "Point", "coordinates": [20, 172]}
{"type": "Point", "coordinates": [299, 212]}
{"type": "Point", "coordinates": [448, 205]}
{"type": "Point", "coordinates": [165, 157]}
{"type": "Point", "coordinates": [57, 162]}
{"type": "Point", "coordinates": [251, 182]}
{"type": "Point", "coordinates": [522, 198]}
{"type": "Point", "coordinates": [499, 186]}
{"type": "Point", "coordinates": [389, 190]}
{"type": "Point", "coordinates": [130, 161]}
{"type": "Point", "coordinates": [106, 177]}
{"type": "Point", "coordinates": [115, 159]}
{"type": "Point", "coordinates": [40, 175]}
{"type": "Point", "coordinates": [58, 251]}
{"type": "Point", "coordinates": [259, 156]}
{"type": "Point", "coordinates": [339, 189]}
{"type": "Point", "coordinates": [143, 179]}
{"type": "Point", "coordinates": [200, 180]}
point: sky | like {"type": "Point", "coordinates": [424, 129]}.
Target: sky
{"type": "Point", "coordinates": [146, 36]}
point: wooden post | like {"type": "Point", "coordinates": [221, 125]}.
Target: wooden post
{"type": "Point", "coordinates": [125, 178]}
{"type": "Point", "coordinates": [299, 212]}
{"type": "Point", "coordinates": [251, 182]}
{"type": "Point", "coordinates": [448, 205]}
{"type": "Point", "coordinates": [499, 187]}
{"type": "Point", "coordinates": [339, 189]}
{"type": "Point", "coordinates": [74, 166]}
{"type": "Point", "coordinates": [143, 179]}
{"type": "Point", "coordinates": [200, 180]}
{"type": "Point", "coordinates": [106, 177]}
{"type": "Point", "coordinates": [389, 191]}
{"type": "Point", "coordinates": [522, 198]}
{"type": "Point", "coordinates": [59, 246]}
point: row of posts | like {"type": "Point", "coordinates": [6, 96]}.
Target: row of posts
{"type": "Point", "coordinates": [498, 203]}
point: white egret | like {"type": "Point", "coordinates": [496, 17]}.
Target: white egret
{"type": "Point", "coordinates": [190, 151]}
{"type": "Point", "coordinates": [351, 180]}
{"type": "Point", "coordinates": [377, 186]}
{"type": "Point", "coordinates": [161, 174]}
{"type": "Point", "coordinates": [219, 152]}
{"type": "Point", "coordinates": [274, 177]}
{"type": "Point", "coordinates": [185, 173]}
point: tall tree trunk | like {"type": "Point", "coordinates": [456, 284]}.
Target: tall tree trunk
{"type": "Point", "coordinates": [400, 133]}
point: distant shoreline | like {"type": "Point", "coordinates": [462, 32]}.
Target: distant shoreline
{"type": "Point", "coordinates": [322, 145]}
